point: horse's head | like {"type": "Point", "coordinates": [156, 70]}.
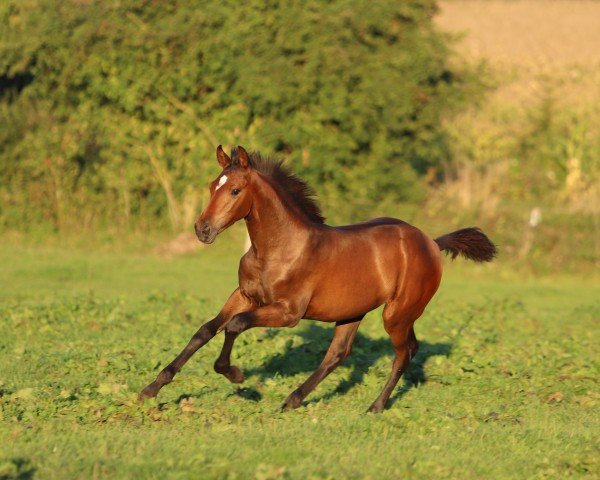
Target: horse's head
{"type": "Point", "coordinates": [230, 196]}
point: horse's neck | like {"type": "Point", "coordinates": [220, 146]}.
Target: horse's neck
{"type": "Point", "coordinates": [273, 226]}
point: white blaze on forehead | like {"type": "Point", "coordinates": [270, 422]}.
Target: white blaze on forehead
{"type": "Point", "coordinates": [222, 181]}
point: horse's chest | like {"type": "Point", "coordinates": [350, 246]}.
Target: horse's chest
{"type": "Point", "coordinates": [253, 289]}
{"type": "Point", "coordinates": [256, 282]}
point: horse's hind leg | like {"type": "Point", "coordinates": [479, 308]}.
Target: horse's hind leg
{"type": "Point", "coordinates": [399, 326]}
{"type": "Point", "coordinates": [340, 348]}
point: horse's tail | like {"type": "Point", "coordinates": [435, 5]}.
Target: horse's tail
{"type": "Point", "coordinates": [471, 243]}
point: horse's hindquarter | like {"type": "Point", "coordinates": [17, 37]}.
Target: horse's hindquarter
{"type": "Point", "coordinates": [360, 267]}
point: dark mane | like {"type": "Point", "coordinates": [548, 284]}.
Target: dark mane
{"type": "Point", "coordinates": [296, 190]}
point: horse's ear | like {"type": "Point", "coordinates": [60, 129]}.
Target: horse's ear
{"type": "Point", "coordinates": [243, 157]}
{"type": "Point", "coordinates": [222, 158]}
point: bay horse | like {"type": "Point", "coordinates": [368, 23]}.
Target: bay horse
{"type": "Point", "coordinates": [298, 267]}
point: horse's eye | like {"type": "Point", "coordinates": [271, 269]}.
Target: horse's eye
{"type": "Point", "coordinates": [235, 192]}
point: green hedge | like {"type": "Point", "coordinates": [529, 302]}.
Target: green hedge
{"type": "Point", "coordinates": [110, 110]}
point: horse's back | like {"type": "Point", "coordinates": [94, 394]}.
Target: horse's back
{"type": "Point", "coordinates": [374, 222]}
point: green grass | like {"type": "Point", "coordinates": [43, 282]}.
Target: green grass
{"type": "Point", "coordinates": [504, 386]}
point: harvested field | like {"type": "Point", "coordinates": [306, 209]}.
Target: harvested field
{"type": "Point", "coordinates": [523, 31]}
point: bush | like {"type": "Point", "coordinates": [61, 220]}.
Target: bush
{"type": "Point", "coordinates": [113, 109]}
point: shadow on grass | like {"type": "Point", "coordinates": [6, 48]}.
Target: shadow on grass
{"type": "Point", "coordinates": [16, 468]}
{"type": "Point", "coordinates": [306, 357]}
{"type": "Point", "coordinates": [247, 393]}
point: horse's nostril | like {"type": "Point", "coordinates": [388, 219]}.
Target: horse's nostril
{"type": "Point", "coordinates": [203, 230]}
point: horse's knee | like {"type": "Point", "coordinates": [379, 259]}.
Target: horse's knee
{"type": "Point", "coordinates": [237, 324]}
{"type": "Point", "coordinates": [221, 366]}
{"type": "Point", "coordinates": [203, 335]}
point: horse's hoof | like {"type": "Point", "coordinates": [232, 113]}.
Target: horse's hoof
{"type": "Point", "coordinates": [375, 408]}
{"type": "Point", "coordinates": [292, 402]}
{"type": "Point", "coordinates": [234, 375]}
{"type": "Point", "coordinates": [148, 392]}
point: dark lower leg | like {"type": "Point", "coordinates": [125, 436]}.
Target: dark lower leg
{"type": "Point", "coordinates": [403, 357]}
{"type": "Point", "coordinates": [223, 363]}
{"type": "Point", "coordinates": [202, 336]}
{"type": "Point", "coordinates": [400, 363]}
{"type": "Point", "coordinates": [273, 315]}
{"type": "Point", "coordinates": [339, 349]}
{"type": "Point", "coordinates": [294, 400]}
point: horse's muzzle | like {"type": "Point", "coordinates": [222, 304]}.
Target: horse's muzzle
{"type": "Point", "coordinates": [205, 232]}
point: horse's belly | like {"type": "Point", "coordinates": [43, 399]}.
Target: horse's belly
{"type": "Point", "coordinates": [339, 299]}
{"type": "Point", "coordinates": [344, 311]}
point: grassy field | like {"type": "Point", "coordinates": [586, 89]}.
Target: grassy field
{"type": "Point", "coordinates": [504, 386]}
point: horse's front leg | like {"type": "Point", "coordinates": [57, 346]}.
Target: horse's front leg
{"type": "Point", "coordinates": [223, 364]}
{"type": "Point", "coordinates": [236, 303]}
{"type": "Point", "coordinates": [274, 315]}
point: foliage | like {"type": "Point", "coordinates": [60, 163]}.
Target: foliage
{"type": "Point", "coordinates": [530, 151]}
{"type": "Point", "coordinates": [112, 109]}
{"type": "Point", "coordinates": [504, 385]}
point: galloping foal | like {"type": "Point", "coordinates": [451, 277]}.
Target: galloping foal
{"type": "Point", "coordinates": [298, 267]}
